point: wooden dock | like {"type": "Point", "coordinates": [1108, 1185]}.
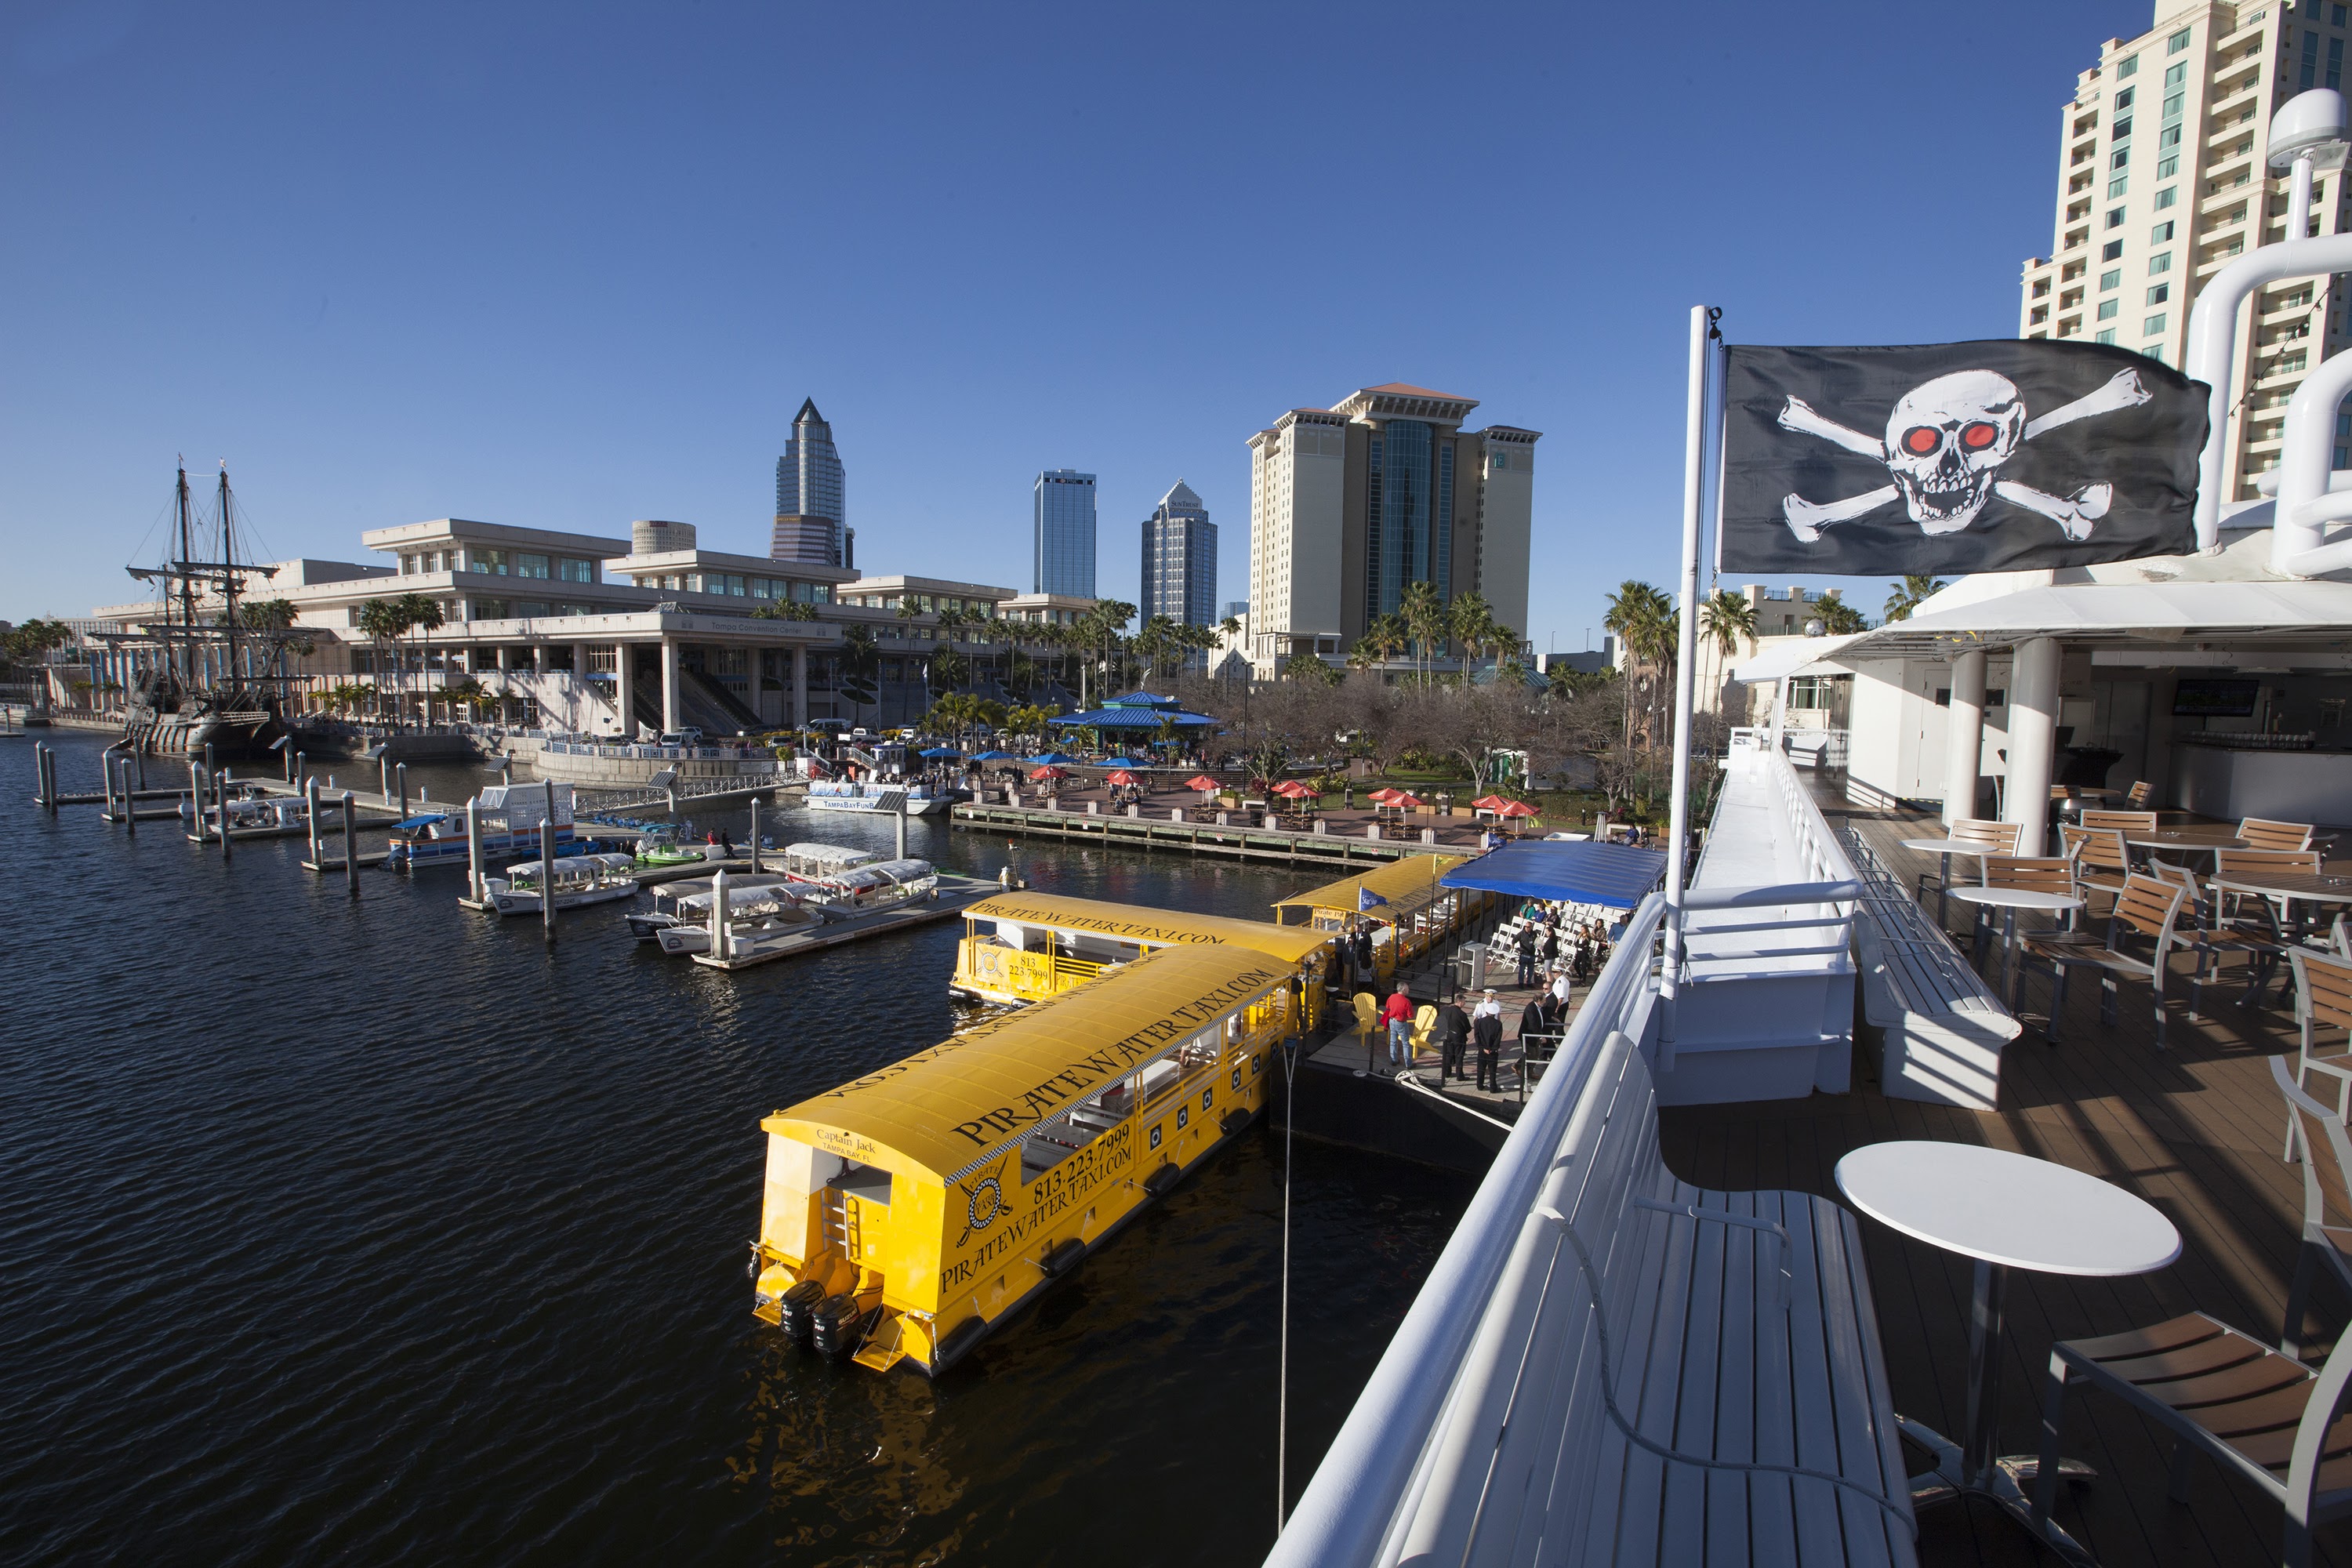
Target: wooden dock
{"type": "Point", "coordinates": [952, 901]}
{"type": "Point", "coordinates": [1196, 838]}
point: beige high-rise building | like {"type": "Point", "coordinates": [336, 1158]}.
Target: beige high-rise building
{"type": "Point", "coordinates": [2162, 183]}
{"type": "Point", "coordinates": [1349, 504]}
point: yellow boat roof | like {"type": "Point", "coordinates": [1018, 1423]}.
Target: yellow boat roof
{"type": "Point", "coordinates": [1406, 884]}
{"type": "Point", "coordinates": [943, 1113]}
{"type": "Point", "coordinates": [1158, 928]}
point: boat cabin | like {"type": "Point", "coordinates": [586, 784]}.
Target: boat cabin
{"type": "Point", "coordinates": [1411, 911]}
{"type": "Point", "coordinates": [815, 862]}
{"type": "Point", "coordinates": [906, 1212]}
{"type": "Point", "coordinates": [883, 885]}
{"type": "Point", "coordinates": [1025, 947]}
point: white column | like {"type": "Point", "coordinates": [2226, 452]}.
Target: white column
{"type": "Point", "coordinates": [2033, 739]}
{"type": "Point", "coordinates": [800, 686]}
{"type": "Point", "coordinates": [581, 716]}
{"type": "Point", "coordinates": [670, 684]}
{"type": "Point", "coordinates": [1964, 736]}
{"type": "Point", "coordinates": [625, 689]}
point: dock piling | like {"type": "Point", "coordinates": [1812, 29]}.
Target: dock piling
{"type": "Point", "coordinates": [902, 824]}
{"type": "Point", "coordinates": [208, 759]}
{"type": "Point", "coordinates": [220, 799]}
{"type": "Point", "coordinates": [473, 853]}
{"type": "Point", "coordinates": [130, 797]}
{"type": "Point", "coordinates": [310, 815]}
{"type": "Point", "coordinates": [400, 773]}
{"type": "Point", "coordinates": [721, 946]}
{"type": "Point", "coordinates": [137, 752]}
{"type": "Point", "coordinates": [45, 777]}
{"type": "Point", "coordinates": [106, 779]}
{"type": "Point", "coordinates": [755, 834]}
{"type": "Point", "coordinates": [199, 792]}
{"type": "Point", "coordinates": [382, 777]}
{"type": "Point", "coordinates": [547, 878]}
{"type": "Point", "coordinates": [351, 844]}
{"type": "Point", "coordinates": [301, 766]}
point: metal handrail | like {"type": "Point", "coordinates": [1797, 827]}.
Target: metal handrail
{"type": "Point", "coordinates": [1349, 1506]}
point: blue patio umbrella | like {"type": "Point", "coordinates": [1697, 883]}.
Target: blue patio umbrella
{"type": "Point", "coordinates": [994, 757]}
{"type": "Point", "coordinates": [1055, 758]}
{"type": "Point", "coordinates": [1123, 763]}
{"type": "Point", "coordinates": [939, 752]}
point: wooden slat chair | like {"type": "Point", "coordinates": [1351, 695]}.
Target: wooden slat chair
{"type": "Point", "coordinates": [2102, 860]}
{"type": "Point", "coordinates": [2002, 835]}
{"type": "Point", "coordinates": [2145, 911]}
{"type": "Point", "coordinates": [2036, 874]}
{"type": "Point", "coordinates": [2140, 793]}
{"type": "Point", "coordinates": [2322, 990]}
{"type": "Point", "coordinates": [2315, 1136]}
{"type": "Point", "coordinates": [2258, 1413]}
{"type": "Point", "coordinates": [2298, 862]}
{"type": "Point", "coordinates": [2201, 932]}
{"type": "Point", "coordinates": [2261, 833]}
{"type": "Point", "coordinates": [2129, 824]}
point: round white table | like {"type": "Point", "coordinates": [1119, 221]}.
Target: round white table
{"type": "Point", "coordinates": [2010, 900]}
{"type": "Point", "coordinates": [2005, 1211]}
{"type": "Point", "coordinates": [1945, 848]}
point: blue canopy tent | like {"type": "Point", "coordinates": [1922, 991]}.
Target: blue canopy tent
{"type": "Point", "coordinates": [939, 752]}
{"type": "Point", "coordinates": [1614, 875]}
{"type": "Point", "coordinates": [994, 757]}
{"type": "Point", "coordinates": [1055, 760]}
{"type": "Point", "coordinates": [1123, 763]}
{"type": "Point", "coordinates": [1136, 710]}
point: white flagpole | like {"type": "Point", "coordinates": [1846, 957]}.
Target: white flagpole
{"type": "Point", "coordinates": [1685, 675]}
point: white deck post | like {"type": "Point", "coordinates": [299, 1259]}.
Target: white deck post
{"type": "Point", "coordinates": [1964, 736]}
{"type": "Point", "coordinates": [1686, 674]}
{"type": "Point", "coordinates": [670, 684]}
{"type": "Point", "coordinates": [800, 686]}
{"type": "Point", "coordinates": [2033, 739]}
{"type": "Point", "coordinates": [624, 691]}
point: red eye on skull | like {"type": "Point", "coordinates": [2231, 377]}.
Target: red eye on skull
{"type": "Point", "coordinates": [1922, 439]}
{"type": "Point", "coordinates": [1976, 437]}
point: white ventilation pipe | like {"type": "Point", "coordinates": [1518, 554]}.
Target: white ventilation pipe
{"type": "Point", "coordinates": [2298, 542]}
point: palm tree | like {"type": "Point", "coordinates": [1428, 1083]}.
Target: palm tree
{"type": "Point", "coordinates": [1644, 620]}
{"type": "Point", "coordinates": [1471, 622]}
{"type": "Point", "coordinates": [379, 619]}
{"type": "Point", "coordinates": [1909, 594]}
{"type": "Point", "coordinates": [857, 662]}
{"type": "Point", "coordinates": [1424, 616]}
{"type": "Point", "coordinates": [1838, 617]}
{"type": "Point", "coordinates": [422, 615]}
{"type": "Point", "coordinates": [1727, 617]}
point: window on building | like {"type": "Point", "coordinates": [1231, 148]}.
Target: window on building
{"type": "Point", "coordinates": [2336, 16]}
{"type": "Point", "coordinates": [2161, 234]}
{"type": "Point", "coordinates": [490, 610]}
{"type": "Point", "coordinates": [2118, 186]}
{"type": "Point", "coordinates": [2164, 198]}
{"type": "Point", "coordinates": [2123, 102]}
{"type": "Point", "coordinates": [2041, 286]}
{"type": "Point", "coordinates": [2177, 42]}
{"type": "Point", "coordinates": [2343, 427]}
{"type": "Point", "coordinates": [2310, 75]}
{"type": "Point", "coordinates": [2175, 75]}
{"type": "Point", "coordinates": [529, 565]}
{"type": "Point", "coordinates": [2111, 278]}
{"type": "Point", "coordinates": [2120, 134]}
{"type": "Point", "coordinates": [2155, 351]}
{"type": "Point", "coordinates": [2108, 336]}
{"type": "Point", "coordinates": [2159, 294]}
{"type": "Point", "coordinates": [2167, 137]}
{"type": "Point", "coordinates": [2106, 310]}
{"type": "Point", "coordinates": [576, 571]}
{"type": "Point", "coordinates": [2116, 218]}
{"type": "Point", "coordinates": [2152, 326]}
{"type": "Point", "coordinates": [2336, 61]}
{"type": "Point", "coordinates": [493, 562]}
{"type": "Point", "coordinates": [2128, 66]}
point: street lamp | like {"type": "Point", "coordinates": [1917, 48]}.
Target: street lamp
{"type": "Point", "coordinates": [2307, 133]}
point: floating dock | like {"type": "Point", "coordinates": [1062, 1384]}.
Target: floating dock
{"type": "Point", "coordinates": [956, 894]}
{"type": "Point", "coordinates": [1196, 837]}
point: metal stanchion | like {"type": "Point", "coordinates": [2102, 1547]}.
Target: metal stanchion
{"type": "Point", "coordinates": [547, 878]}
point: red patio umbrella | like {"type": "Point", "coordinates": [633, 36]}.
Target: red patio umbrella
{"type": "Point", "coordinates": [1404, 802]}
{"type": "Point", "coordinates": [1118, 776]}
{"type": "Point", "coordinates": [1386, 796]}
{"type": "Point", "coordinates": [1293, 788]}
{"type": "Point", "coordinates": [1488, 803]}
{"type": "Point", "coordinates": [1515, 808]}
{"type": "Point", "coordinates": [1202, 783]}
{"type": "Point", "coordinates": [1038, 775]}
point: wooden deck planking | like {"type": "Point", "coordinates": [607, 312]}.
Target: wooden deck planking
{"type": "Point", "coordinates": [2195, 1129]}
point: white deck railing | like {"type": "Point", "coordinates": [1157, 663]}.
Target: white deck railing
{"type": "Point", "coordinates": [1364, 1488]}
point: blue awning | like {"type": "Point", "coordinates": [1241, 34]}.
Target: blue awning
{"type": "Point", "coordinates": [1116, 718]}
{"type": "Point", "coordinates": [411, 824]}
{"type": "Point", "coordinates": [939, 752]}
{"type": "Point", "coordinates": [1612, 874]}
{"type": "Point", "coordinates": [994, 757]}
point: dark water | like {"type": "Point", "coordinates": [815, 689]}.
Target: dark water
{"type": "Point", "coordinates": [377, 1232]}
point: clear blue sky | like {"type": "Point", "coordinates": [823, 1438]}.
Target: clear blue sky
{"type": "Point", "coordinates": [568, 265]}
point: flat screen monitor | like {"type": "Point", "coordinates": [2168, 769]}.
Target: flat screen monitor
{"type": "Point", "coordinates": [2214, 696]}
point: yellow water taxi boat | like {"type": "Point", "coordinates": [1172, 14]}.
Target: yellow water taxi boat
{"type": "Point", "coordinates": [1410, 910]}
{"type": "Point", "coordinates": [910, 1211]}
{"type": "Point", "coordinates": [1025, 947]}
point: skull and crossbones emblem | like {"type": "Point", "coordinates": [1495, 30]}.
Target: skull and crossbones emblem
{"type": "Point", "coordinates": [1945, 444]}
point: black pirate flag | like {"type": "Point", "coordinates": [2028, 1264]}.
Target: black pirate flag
{"type": "Point", "coordinates": [1955, 458]}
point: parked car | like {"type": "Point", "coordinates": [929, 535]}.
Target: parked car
{"type": "Point", "coordinates": [688, 737]}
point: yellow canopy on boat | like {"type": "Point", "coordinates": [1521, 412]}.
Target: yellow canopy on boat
{"type": "Point", "coordinates": [1407, 885]}
{"type": "Point", "coordinates": [1151, 927]}
{"type": "Point", "coordinates": [943, 1111]}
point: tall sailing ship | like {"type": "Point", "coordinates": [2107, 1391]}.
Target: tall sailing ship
{"type": "Point", "coordinates": [207, 676]}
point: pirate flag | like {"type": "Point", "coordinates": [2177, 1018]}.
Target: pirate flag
{"type": "Point", "coordinates": [1951, 458]}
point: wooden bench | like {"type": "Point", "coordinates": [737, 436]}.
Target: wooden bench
{"type": "Point", "coordinates": [1701, 1380]}
{"type": "Point", "coordinates": [1937, 1028]}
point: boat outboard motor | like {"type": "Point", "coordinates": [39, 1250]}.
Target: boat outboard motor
{"type": "Point", "coordinates": [832, 1327]}
{"type": "Point", "coordinates": [797, 1306]}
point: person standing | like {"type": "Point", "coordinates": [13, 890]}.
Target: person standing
{"type": "Point", "coordinates": [1527, 945]}
{"type": "Point", "coordinates": [1399, 1014]}
{"type": "Point", "coordinates": [1365, 972]}
{"type": "Point", "coordinates": [1551, 948]}
{"type": "Point", "coordinates": [1486, 1030]}
{"type": "Point", "coordinates": [1453, 1038]}
{"type": "Point", "coordinates": [1535, 1025]}
{"type": "Point", "coordinates": [1560, 990]}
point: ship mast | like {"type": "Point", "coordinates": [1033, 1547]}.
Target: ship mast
{"type": "Point", "coordinates": [187, 586]}
{"type": "Point", "coordinates": [229, 581]}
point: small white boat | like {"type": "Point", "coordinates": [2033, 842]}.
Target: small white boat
{"type": "Point", "coordinates": [876, 794]}
{"type": "Point", "coordinates": [690, 899]}
{"type": "Point", "coordinates": [509, 815]}
{"type": "Point", "coordinates": [815, 862]}
{"type": "Point", "coordinates": [869, 889]}
{"type": "Point", "coordinates": [756, 917]}
{"type": "Point", "coordinates": [578, 881]}
{"type": "Point", "coordinates": [253, 813]}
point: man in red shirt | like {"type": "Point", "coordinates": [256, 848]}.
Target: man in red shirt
{"type": "Point", "coordinates": [1399, 1014]}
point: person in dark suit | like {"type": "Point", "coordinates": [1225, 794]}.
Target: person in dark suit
{"type": "Point", "coordinates": [1486, 1030]}
{"type": "Point", "coordinates": [1527, 945]}
{"type": "Point", "coordinates": [1454, 1039]}
{"type": "Point", "coordinates": [1535, 1027]}
{"type": "Point", "coordinates": [1364, 970]}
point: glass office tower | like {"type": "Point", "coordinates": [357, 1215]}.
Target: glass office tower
{"type": "Point", "coordinates": [1061, 542]}
{"type": "Point", "coordinates": [809, 521]}
{"type": "Point", "coordinates": [1180, 560]}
